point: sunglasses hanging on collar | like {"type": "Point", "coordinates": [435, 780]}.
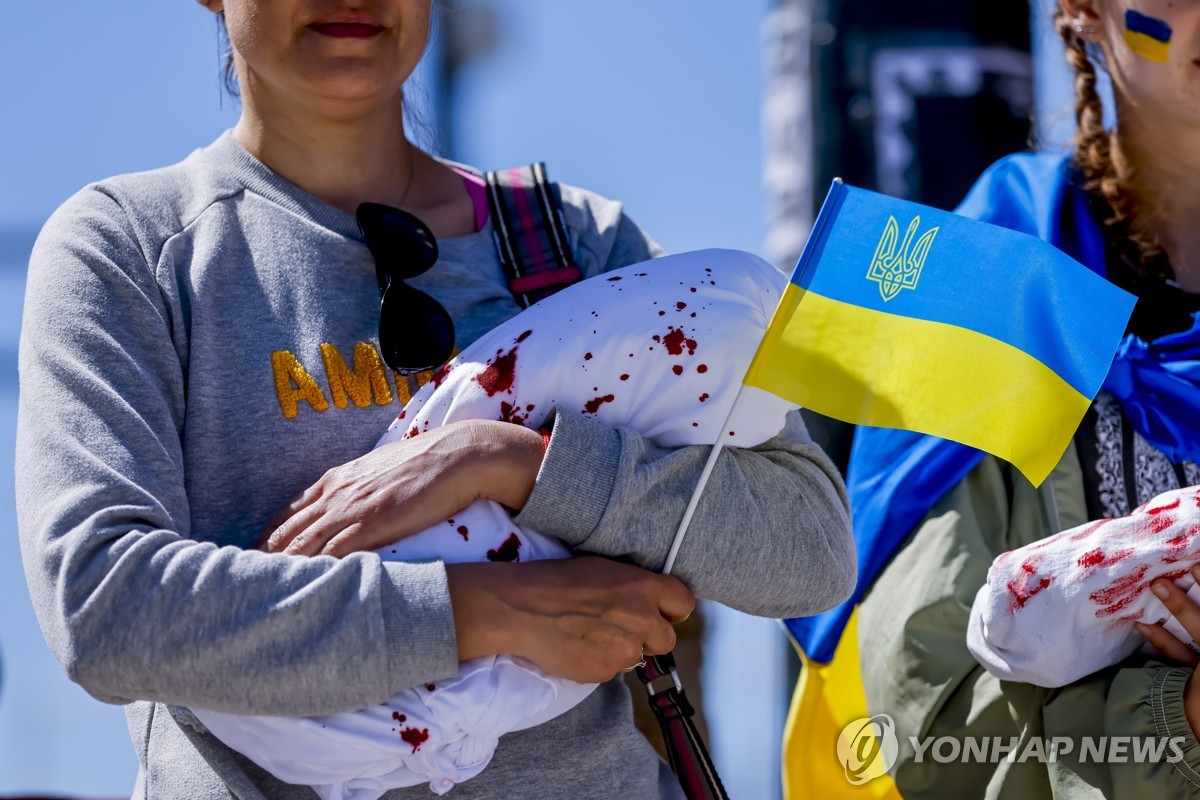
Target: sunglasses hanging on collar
{"type": "Point", "coordinates": [415, 330]}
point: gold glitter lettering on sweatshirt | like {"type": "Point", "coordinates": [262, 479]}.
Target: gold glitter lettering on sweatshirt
{"type": "Point", "coordinates": [293, 384]}
{"type": "Point", "coordinates": [365, 382]}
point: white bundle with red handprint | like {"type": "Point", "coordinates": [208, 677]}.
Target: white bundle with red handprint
{"type": "Point", "coordinates": [1064, 607]}
{"type": "Point", "coordinates": [659, 348]}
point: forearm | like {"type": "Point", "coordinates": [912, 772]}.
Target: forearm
{"type": "Point", "coordinates": [770, 535]}
{"type": "Point", "coordinates": [147, 615]}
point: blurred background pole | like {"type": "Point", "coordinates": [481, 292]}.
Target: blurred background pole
{"type": "Point", "coordinates": [787, 131]}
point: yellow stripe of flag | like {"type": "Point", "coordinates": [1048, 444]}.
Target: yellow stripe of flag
{"type": "Point", "coordinates": [1148, 46]}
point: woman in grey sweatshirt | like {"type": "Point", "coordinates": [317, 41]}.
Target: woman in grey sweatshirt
{"type": "Point", "coordinates": [199, 353]}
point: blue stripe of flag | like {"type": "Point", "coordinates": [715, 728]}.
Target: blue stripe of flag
{"type": "Point", "coordinates": [1007, 285]}
{"type": "Point", "coordinates": [1150, 26]}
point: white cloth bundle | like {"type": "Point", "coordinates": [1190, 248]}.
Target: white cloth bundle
{"type": "Point", "coordinates": [660, 348]}
{"type": "Point", "coordinates": [1064, 607]}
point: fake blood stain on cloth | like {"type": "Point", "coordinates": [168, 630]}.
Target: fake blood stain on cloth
{"type": "Point", "coordinates": [415, 737]}
{"type": "Point", "coordinates": [498, 377]}
{"type": "Point", "coordinates": [1028, 584]}
{"type": "Point", "coordinates": [509, 550]}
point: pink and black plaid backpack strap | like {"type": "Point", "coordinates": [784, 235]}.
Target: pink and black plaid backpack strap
{"type": "Point", "coordinates": [531, 237]}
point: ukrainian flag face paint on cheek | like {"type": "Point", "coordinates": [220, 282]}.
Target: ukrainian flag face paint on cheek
{"type": "Point", "coordinates": [1147, 36]}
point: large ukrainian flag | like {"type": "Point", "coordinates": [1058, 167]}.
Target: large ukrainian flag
{"type": "Point", "coordinates": [903, 316]}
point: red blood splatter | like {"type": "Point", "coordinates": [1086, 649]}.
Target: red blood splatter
{"type": "Point", "coordinates": [415, 737]}
{"type": "Point", "coordinates": [625, 377]}
{"type": "Point", "coordinates": [731, 433]}
{"type": "Point", "coordinates": [499, 375]}
{"type": "Point", "coordinates": [681, 306]}
{"type": "Point", "coordinates": [1167, 507]}
{"type": "Point", "coordinates": [615, 278]}
{"type": "Point", "coordinates": [642, 274]}
{"type": "Point", "coordinates": [429, 687]}
{"type": "Point", "coordinates": [450, 521]}
{"type": "Point", "coordinates": [677, 369]}
{"type": "Point", "coordinates": [693, 314]}
{"type": "Point", "coordinates": [693, 288]}
{"type": "Point", "coordinates": [587, 356]}
{"type": "Point", "coordinates": [1097, 558]}
{"type": "Point", "coordinates": [1177, 546]}
{"type": "Point", "coordinates": [509, 550]}
{"type": "Point", "coordinates": [525, 336]}
{"type": "Point", "coordinates": [1117, 596]}
{"type": "Point", "coordinates": [1158, 524]}
{"type": "Point", "coordinates": [695, 424]}
{"type": "Point", "coordinates": [1025, 586]}
{"type": "Point", "coordinates": [703, 397]}
{"type": "Point", "coordinates": [675, 341]}
{"type": "Point", "coordinates": [509, 413]}
{"type": "Point", "coordinates": [702, 368]}
{"type": "Point", "coordinates": [662, 313]}
{"type": "Point", "coordinates": [440, 374]}
{"type": "Point", "coordinates": [411, 432]}
{"type": "Point", "coordinates": [463, 532]}
{"type": "Point", "coordinates": [631, 355]}
{"type": "Point", "coordinates": [403, 411]}
{"type": "Point", "coordinates": [593, 405]}
{"type": "Point", "coordinates": [396, 715]}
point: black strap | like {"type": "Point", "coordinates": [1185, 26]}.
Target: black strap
{"type": "Point", "coordinates": [531, 238]}
{"type": "Point", "coordinates": [686, 752]}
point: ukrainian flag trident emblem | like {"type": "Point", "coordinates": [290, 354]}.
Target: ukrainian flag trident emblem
{"type": "Point", "coordinates": [1003, 347]}
{"type": "Point", "coordinates": [895, 269]}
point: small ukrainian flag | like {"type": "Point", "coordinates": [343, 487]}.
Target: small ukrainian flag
{"type": "Point", "coordinates": [1149, 37]}
{"type": "Point", "coordinates": [902, 316]}
{"type": "Point", "coordinates": [955, 328]}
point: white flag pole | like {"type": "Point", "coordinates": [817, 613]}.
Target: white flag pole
{"type": "Point", "coordinates": [708, 468]}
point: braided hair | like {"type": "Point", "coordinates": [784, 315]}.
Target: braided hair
{"type": "Point", "coordinates": [1104, 172]}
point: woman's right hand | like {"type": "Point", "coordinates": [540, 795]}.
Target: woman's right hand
{"type": "Point", "coordinates": [584, 618]}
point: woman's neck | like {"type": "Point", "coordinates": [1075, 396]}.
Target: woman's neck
{"type": "Point", "coordinates": [1164, 167]}
{"type": "Point", "coordinates": [341, 161]}
{"type": "Point", "coordinates": [349, 158]}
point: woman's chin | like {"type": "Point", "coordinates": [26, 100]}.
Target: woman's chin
{"type": "Point", "coordinates": [350, 83]}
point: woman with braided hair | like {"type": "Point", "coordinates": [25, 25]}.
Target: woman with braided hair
{"type": "Point", "coordinates": [1124, 201]}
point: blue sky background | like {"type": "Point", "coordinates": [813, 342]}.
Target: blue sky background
{"type": "Point", "coordinates": [654, 103]}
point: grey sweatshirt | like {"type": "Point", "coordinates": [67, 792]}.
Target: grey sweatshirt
{"type": "Point", "coordinates": [198, 348]}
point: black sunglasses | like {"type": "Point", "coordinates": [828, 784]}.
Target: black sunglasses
{"type": "Point", "coordinates": [415, 331]}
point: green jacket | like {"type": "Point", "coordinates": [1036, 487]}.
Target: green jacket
{"type": "Point", "coordinates": [917, 669]}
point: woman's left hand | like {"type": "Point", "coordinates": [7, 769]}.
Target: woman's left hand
{"type": "Point", "coordinates": [1187, 613]}
{"type": "Point", "coordinates": [404, 487]}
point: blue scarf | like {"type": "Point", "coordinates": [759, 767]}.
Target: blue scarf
{"type": "Point", "coordinates": [896, 476]}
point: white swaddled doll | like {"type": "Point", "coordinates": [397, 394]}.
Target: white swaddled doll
{"type": "Point", "coordinates": [660, 348]}
{"type": "Point", "coordinates": [1064, 607]}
